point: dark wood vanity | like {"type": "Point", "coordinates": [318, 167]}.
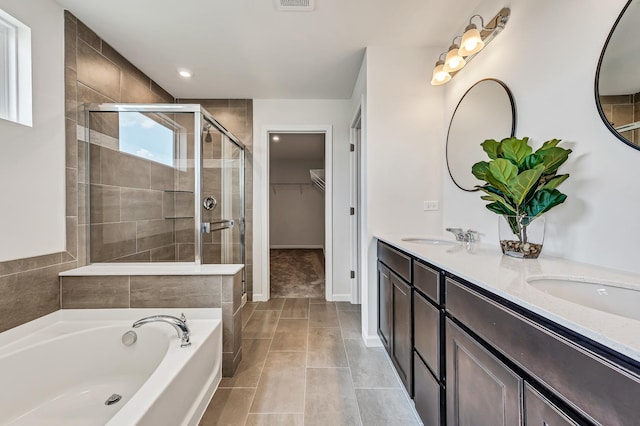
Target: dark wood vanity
{"type": "Point", "coordinates": [469, 357]}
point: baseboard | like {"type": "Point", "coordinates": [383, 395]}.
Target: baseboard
{"type": "Point", "coordinates": [296, 246]}
{"type": "Point", "coordinates": [258, 298]}
{"type": "Point", "coordinates": [372, 341]}
{"type": "Point", "coordinates": [341, 298]}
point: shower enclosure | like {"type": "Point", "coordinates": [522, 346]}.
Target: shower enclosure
{"type": "Point", "coordinates": [164, 183]}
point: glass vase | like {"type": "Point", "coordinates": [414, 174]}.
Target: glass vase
{"type": "Point", "coordinates": [521, 236]}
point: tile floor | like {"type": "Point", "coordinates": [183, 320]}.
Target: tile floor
{"type": "Point", "coordinates": [304, 363]}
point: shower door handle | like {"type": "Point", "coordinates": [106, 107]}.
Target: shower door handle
{"type": "Point", "coordinates": [205, 227]}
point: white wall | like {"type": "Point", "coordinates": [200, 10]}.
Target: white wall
{"type": "Point", "coordinates": [276, 113]}
{"type": "Point", "coordinates": [296, 209]}
{"type": "Point", "coordinates": [403, 154]}
{"type": "Point", "coordinates": [547, 55]}
{"type": "Point", "coordinates": [32, 169]}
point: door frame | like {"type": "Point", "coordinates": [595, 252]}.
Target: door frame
{"type": "Point", "coordinates": [355, 222]}
{"type": "Point", "coordinates": [328, 202]}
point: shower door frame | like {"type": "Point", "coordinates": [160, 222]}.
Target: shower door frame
{"type": "Point", "coordinates": [199, 113]}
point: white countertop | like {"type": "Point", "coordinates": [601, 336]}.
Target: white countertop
{"type": "Point", "coordinates": [505, 276]}
{"type": "Point", "coordinates": [157, 268]}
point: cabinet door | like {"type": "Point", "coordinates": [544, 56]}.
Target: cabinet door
{"type": "Point", "coordinates": [385, 296]}
{"type": "Point", "coordinates": [426, 326]}
{"type": "Point", "coordinates": [481, 390]}
{"type": "Point", "coordinates": [539, 411]}
{"type": "Point", "coordinates": [401, 347]}
{"type": "Point", "coordinates": [426, 393]}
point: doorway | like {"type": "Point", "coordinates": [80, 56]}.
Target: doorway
{"type": "Point", "coordinates": [297, 215]}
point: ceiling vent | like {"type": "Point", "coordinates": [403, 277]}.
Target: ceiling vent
{"type": "Point", "coordinates": [295, 5]}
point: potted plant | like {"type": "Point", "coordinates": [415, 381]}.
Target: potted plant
{"type": "Point", "coordinates": [521, 185]}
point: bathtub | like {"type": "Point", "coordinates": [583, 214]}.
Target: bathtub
{"type": "Point", "coordinates": [62, 368]}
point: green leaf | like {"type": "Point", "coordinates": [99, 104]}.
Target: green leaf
{"type": "Point", "coordinates": [506, 204]}
{"type": "Point", "coordinates": [491, 147]}
{"type": "Point", "coordinates": [543, 201]}
{"type": "Point", "coordinates": [554, 182]}
{"type": "Point", "coordinates": [549, 144]}
{"type": "Point", "coordinates": [480, 170]}
{"type": "Point", "coordinates": [520, 185]}
{"type": "Point", "coordinates": [554, 157]}
{"type": "Point", "coordinates": [502, 170]}
{"type": "Point", "coordinates": [499, 208]}
{"type": "Point", "coordinates": [531, 161]}
{"type": "Point", "coordinates": [516, 150]}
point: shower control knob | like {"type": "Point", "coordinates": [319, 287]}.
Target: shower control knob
{"type": "Point", "coordinates": [209, 203]}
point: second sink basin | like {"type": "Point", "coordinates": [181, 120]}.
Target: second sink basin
{"type": "Point", "coordinates": [607, 297]}
{"type": "Point", "coordinates": [429, 241]}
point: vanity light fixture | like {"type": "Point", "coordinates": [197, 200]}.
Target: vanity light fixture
{"type": "Point", "coordinates": [440, 76]}
{"type": "Point", "coordinates": [473, 41]}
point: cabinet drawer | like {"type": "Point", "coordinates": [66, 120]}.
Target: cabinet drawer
{"type": "Point", "coordinates": [538, 410]}
{"type": "Point", "coordinates": [602, 391]}
{"type": "Point", "coordinates": [426, 325]}
{"type": "Point", "coordinates": [427, 281]}
{"type": "Point", "coordinates": [399, 263]}
{"type": "Point", "coordinates": [427, 393]}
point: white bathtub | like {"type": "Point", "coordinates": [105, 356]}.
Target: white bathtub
{"type": "Point", "coordinates": [60, 369]}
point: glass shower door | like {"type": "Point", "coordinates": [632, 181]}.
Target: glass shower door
{"type": "Point", "coordinates": [222, 198]}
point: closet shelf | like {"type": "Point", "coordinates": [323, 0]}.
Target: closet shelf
{"type": "Point", "coordinates": [289, 185]}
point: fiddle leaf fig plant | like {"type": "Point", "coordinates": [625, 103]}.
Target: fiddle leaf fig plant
{"type": "Point", "coordinates": [521, 184]}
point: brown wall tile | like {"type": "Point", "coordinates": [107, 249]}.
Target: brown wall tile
{"type": "Point", "coordinates": [112, 240]}
{"type": "Point", "coordinates": [97, 72]}
{"type": "Point", "coordinates": [88, 36]}
{"type": "Point", "coordinates": [120, 169]}
{"type": "Point", "coordinates": [140, 204]}
{"type": "Point", "coordinates": [70, 40]}
{"type": "Point", "coordinates": [105, 204]}
{"type": "Point", "coordinates": [164, 254]}
{"type": "Point", "coordinates": [154, 234]}
{"type": "Point", "coordinates": [95, 292]}
{"type": "Point", "coordinates": [71, 197]}
{"type": "Point", "coordinates": [175, 291]}
{"type": "Point", "coordinates": [72, 235]}
{"type": "Point", "coordinates": [133, 90]}
{"type": "Point", "coordinates": [30, 294]}
{"type": "Point", "coordinates": [125, 66]}
{"type": "Point", "coordinates": [144, 256]}
{"type": "Point", "coordinates": [162, 177]}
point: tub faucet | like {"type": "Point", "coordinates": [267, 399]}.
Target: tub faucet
{"type": "Point", "coordinates": [180, 324]}
{"type": "Point", "coordinates": [468, 236]}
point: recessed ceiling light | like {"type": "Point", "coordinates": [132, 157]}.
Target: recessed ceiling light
{"type": "Point", "coordinates": [185, 73]}
{"type": "Point", "coordinates": [275, 138]}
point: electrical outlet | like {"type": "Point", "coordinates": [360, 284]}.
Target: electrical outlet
{"type": "Point", "coordinates": [431, 205]}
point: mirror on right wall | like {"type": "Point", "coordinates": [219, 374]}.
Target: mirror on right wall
{"type": "Point", "coordinates": [617, 84]}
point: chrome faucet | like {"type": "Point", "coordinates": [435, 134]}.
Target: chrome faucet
{"type": "Point", "coordinates": [180, 324]}
{"type": "Point", "coordinates": [468, 236]}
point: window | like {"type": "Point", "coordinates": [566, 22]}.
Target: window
{"type": "Point", "coordinates": [15, 70]}
{"type": "Point", "coordinates": [146, 137]}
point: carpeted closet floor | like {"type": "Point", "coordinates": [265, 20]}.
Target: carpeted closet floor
{"type": "Point", "coordinates": [297, 273]}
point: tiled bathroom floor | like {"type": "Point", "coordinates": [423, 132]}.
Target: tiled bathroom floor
{"type": "Point", "coordinates": [304, 363]}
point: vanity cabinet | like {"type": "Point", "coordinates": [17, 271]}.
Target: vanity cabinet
{"type": "Point", "coordinates": [395, 310]}
{"type": "Point", "coordinates": [469, 357]}
{"type": "Point", "coordinates": [587, 385]}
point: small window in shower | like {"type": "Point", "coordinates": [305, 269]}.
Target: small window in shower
{"type": "Point", "coordinates": [146, 137]}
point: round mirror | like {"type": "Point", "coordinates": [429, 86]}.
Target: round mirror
{"type": "Point", "coordinates": [486, 111]}
{"type": "Point", "coordinates": [617, 78]}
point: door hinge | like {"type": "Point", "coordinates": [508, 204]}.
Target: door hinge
{"type": "Point", "coordinates": [353, 274]}
{"type": "Point", "coordinates": [352, 211]}
{"type": "Point", "coordinates": [352, 147]}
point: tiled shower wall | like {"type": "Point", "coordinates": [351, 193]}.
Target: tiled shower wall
{"type": "Point", "coordinates": [96, 73]}
{"type": "Point", "coordinates": [623, 109]}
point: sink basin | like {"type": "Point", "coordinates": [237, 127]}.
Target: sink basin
{"type": "Point", "coordinates": [604, 296]}
{"type": "Point", "coordinates": [429, 241]}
